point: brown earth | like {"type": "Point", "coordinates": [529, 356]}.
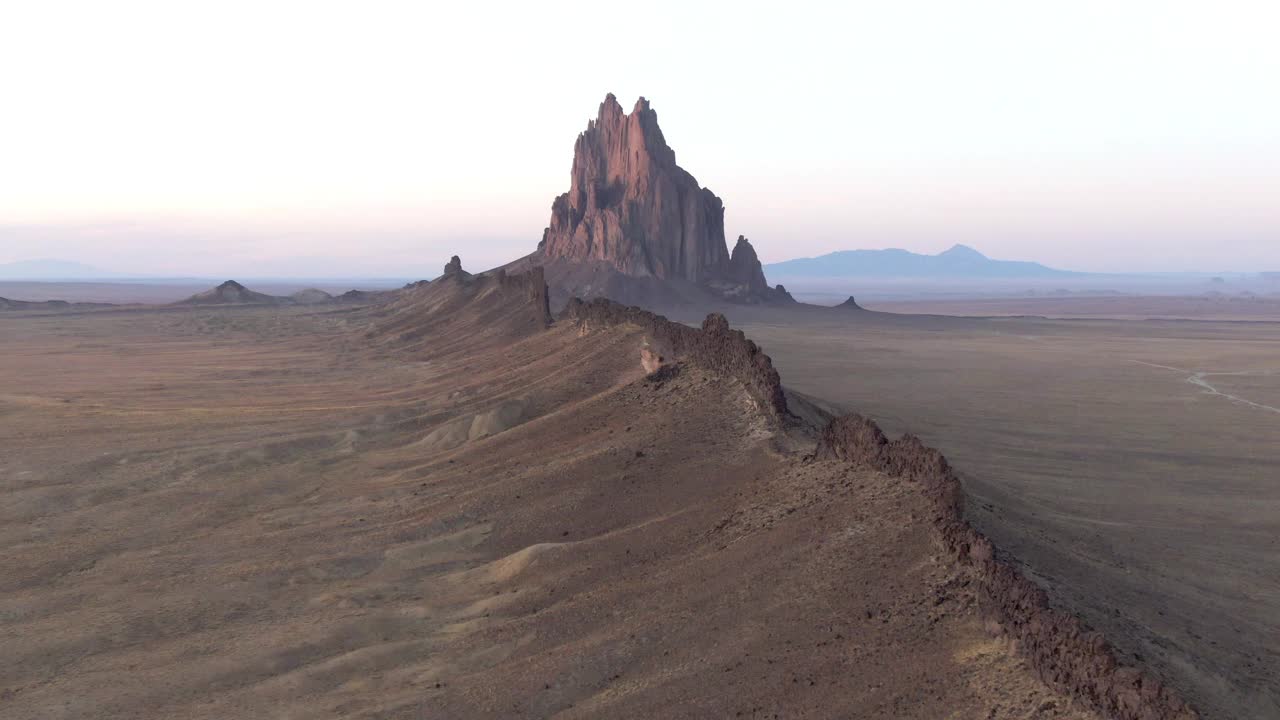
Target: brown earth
{"type": "Point", "coordinates": [1128, 466]}
{"type": "Point", "coordinates": [1123, 307]}
{"type": "Point", "coordinates": [240, 512]}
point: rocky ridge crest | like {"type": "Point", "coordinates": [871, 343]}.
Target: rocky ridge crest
{"type": "Point", "coordinates": [1063, 651]}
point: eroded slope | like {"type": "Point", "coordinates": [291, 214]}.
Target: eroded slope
{"type": "Point", "coordinates": [254, 515]}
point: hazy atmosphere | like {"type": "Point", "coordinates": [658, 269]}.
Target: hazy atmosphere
{"type": "Point", "coordinates": [640, 361]}
{"type": "Point", "coordinates": [331, 139]}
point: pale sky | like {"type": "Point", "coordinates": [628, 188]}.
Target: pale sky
{"type": "Point", "coordinates": [378, 138]}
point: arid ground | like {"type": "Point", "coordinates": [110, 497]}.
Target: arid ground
{"type": "Point", "coordinates": [445, 513]}
{"type": "Point", "coordinates": [1205, 306]}
{"type": "Point", "coordinates": [1133, 466]}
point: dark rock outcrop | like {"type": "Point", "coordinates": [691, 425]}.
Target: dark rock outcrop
{"type": "Point", "coordinates": [533, 286]}
{"type": "Point", "coordinates": [454, 267]}
{"type": "Point", "coordinates": [744, 267]}
{"type": "Point", "coordinates": [1064, 652]}
{"type": "Point", "coordinates": [633, 211]}
{"type": "Point", "coordinates": [850, 304]}
{"type": "Point", "coordinates": [714, 346]}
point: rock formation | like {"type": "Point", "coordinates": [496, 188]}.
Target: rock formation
{"type": "Point", "coordinates": [632, 210]}
{"type": "Point", "coordinates": [650, 360]}
{"type": "Point", "coordinates": [744, 267]}
{"type": "Point", "coordinates": [454, 267]}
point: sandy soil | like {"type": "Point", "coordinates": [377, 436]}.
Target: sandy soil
{"type": "Point", "coordinates": [1127, 307]}
{"type": "Point", "coordinates": [237, 513]}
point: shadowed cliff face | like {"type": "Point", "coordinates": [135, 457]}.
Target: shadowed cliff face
{"type": "Point", "coordinates": [744, 267]}
{"type": "Point", "coordinates": [632, 210]}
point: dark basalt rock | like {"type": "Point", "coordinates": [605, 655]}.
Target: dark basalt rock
{"type": "Point", "coordinates": [1063, 650]}
{"type": "Point", "coordinates": [744, 267]}
{"type": "Point", "coordinates": [454, 267]}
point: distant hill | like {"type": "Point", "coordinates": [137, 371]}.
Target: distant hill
{"type": "Point", "coordinates": [8, 304]}
{"type": "Point", "coordinates": [311, 296]}
{"type": "Point", "coordinates": [51, 270]}
{"type": "Point", "coordinates": [233, 293]}
{"type": "Point", "coordinates": [960, 261]}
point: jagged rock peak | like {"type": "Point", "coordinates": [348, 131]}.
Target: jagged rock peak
{"type": "Point", "coordinates": [630, 206]}
{"type": "Point", "coordinates": [850, 304]}
{"type": "Point", "coordinates": [454, 266]}
{"type": "Point", "coordinates": [632, 211]}
{"type": "Point", "coordinates": [744, 267]}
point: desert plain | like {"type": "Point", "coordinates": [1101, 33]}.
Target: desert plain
{"type": "Point", "coordinates": [444, 508]}
{"type": "Point", "coordinates": [1131, 465]}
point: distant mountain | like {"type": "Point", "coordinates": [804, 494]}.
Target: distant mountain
{"type": "Point", "coordinates": [51, 270]}
{"type": "Point", "coordinates": [960, 261]}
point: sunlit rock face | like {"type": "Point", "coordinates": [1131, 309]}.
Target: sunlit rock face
{"type": "Point", "coordinates": [631, 208]}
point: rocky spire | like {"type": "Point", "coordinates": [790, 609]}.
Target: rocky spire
{"type": "Point", "coordinates": [629, 205]}
{"type": "Point", "coordinates": [633, 212]}
{"type": "Point", "coordinates": [454, 267]}
{"type": "Point", "coordinates": [744, 267]}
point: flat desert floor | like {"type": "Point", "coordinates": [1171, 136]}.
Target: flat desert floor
{"type": "Point", "coordinates": [1121, 307]}
{"type": "Point", "coordinates": [278, 513]}
{"type": "Point", "coordinates": [1133, 466]}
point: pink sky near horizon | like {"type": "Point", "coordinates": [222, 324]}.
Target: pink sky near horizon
{"type": "Point", "coordinates": [326, 139]}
